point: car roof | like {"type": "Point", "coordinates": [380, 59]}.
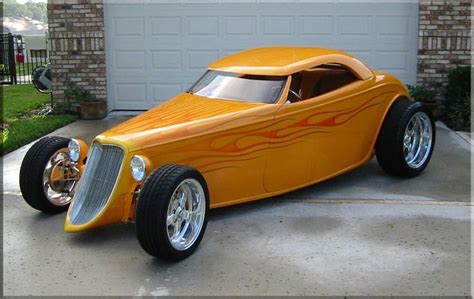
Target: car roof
{"type": "Point", "coordinates": [285, 60]}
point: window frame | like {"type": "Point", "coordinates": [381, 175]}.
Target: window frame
{"type": "Point", "coordinates": [284, 90]}
{"type": "Point", "coordinates": [357, 77]}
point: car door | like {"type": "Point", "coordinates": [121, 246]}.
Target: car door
{"type": "Point", "coordinates": [323, 134]}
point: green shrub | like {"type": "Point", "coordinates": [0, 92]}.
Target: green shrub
{"type": "Point", "coordinates": [459, 113]}
{"type": "Point", "coordinates": [76, 93]}
{"type": "Point", "coordinates": [459, 83]}
{"type": "Point", "coordinates": [458, 98]}
{"type": "Point", "coordinates": [421, 94]}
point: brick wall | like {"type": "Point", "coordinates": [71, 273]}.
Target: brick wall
{"type": "Point", "coordinates": [77, 51]}
{"type": "Point", "coordinates": [444, 40]}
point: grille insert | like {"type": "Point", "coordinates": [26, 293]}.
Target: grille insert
{"type": "Point", "coordinates": [97, 183]}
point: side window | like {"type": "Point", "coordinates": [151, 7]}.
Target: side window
{"type": "Point", "coordinates": [317, 81]}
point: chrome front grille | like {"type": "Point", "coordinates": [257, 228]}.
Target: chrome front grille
{"type": "Point", "coordinates": [97, 183]}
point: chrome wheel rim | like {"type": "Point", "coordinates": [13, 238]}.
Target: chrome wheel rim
{"type": "Point", "coordinates": [417, 140]}
{"type": "Point", "coordinates": [60, 177]}
{"type": "Point", "coordinates": [185, 216]}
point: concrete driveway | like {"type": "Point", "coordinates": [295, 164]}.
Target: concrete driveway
{"type": "Point", "coordinates": [363, 233]}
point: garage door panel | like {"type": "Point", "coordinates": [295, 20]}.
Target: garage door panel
{"type": "Point", "coordinates": [200, 59]}
{"type": "Point", "coordinates": [167, 60]}
{"type": "Point", "coordinates": [275, 6]}
{"type": "Point", "coordinates": [130, 60]}
{"type": "Point", "coordinates": [163, 3]}
{"type": "Point", "coordinates": [239, 25]}
{"type": "Point", "coordinates": [172, 76]}
{"type": "Point", "coordinates": [317, 24]}
{"type": "Point", "coordinates": [190, 2]}
{"type": "Point", "coordinates": [126, 26]}
{"type": "Point", "coordinates": [239, 42]}
{"type": "Point", "coordinates": [164, 46]}
{"type": "Point", "coordinates": [354, 25]}
{"type": "Point", "coordinates": [353, 43]}
{"type": "Point", "coordinates": [359, 7]}
{"type": "Point", "coordinates": [164, 26]}
{"type": "Point", "coordinates": [202, 25]}
{"type": "Point", "coordinates": [392, 43]}
{"type": "Point", "coordinates": [124, 9]}
{"type": "Point", "coordinates": [392, 25]}
{"type": "Point", "coordinates": [200, 43]}
{"type": "Point", "coordinates": [394, 8]}
{"type": "Point", "coordinates": [324, 8]}
{"type": "Point", "coordinates": [130, 96]}
{"type": "Point", "coordinates": [278, 25]}
{"type": "Point", "coordinates": [120, 43]}
{"type": "Point", "coordinates": [392, 60]}
{"type": "Point", "coordinates": [162, 91]}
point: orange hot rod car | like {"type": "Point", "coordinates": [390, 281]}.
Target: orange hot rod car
{"type": "Point", "coordinates": [258, 123]}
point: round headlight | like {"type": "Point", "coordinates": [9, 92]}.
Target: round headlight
{"type": "Point", "coordinates": [74, 150]}
{"type": "Point", "coordinates": [138, 168]}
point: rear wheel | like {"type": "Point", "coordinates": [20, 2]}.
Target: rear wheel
{"type": "Point", "coordinates": [47, 176]}
{"type": "Point", "coordinates": [172, 210]}
{"type": "Point", "coordinates": [406, 140]}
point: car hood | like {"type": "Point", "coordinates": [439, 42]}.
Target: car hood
{"type": "Point", "coordinates": [179, 117]}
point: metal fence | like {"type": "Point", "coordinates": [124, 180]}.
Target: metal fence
{"type": "Point", "coordinates": [19, 56]}
{"type": "Point", "coordinates": [7, 59]}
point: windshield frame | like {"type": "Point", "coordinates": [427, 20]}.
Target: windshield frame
{"type": "Point", "coordinates": [282, 94]}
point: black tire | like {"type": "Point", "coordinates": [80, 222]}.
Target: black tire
{"type": "Point", "coordinates": [389, 145]}
{"type": "Point", "coordinates": [152, 207]}
{"type": "Point", "coordinates": [31, 173]}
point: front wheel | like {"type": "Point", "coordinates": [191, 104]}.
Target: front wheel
{"type": "Point", "coordinates": [172, 209]}
{"type": "Point", "coordinates": [48, 178]}
{"type": "Point", "coordinates": [406, 140]}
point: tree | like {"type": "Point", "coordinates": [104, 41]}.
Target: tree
{"type": "Point", "coordinates": [32, 10]}
{"type": "Point", "coordinates": [38, 10]}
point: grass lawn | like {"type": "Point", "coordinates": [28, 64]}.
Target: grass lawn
{"type": "Point", "coordinates": [21, 123]}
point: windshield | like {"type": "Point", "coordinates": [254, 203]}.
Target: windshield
{"type": "Point", "coordinates": [239, 87]}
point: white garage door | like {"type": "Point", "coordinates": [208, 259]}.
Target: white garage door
{"type": "Point", "coordinates": [159, 48]}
